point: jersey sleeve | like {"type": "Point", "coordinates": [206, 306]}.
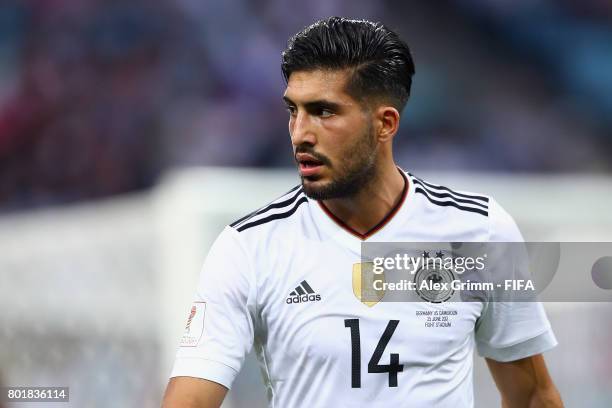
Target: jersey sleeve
{"type": "Point", "coordinates": [506, 330]}
{"type": "Point", "coordinates": [219, 331]}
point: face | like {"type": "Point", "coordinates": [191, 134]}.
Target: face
{"type": "Point", "coordinates": [332, 134]}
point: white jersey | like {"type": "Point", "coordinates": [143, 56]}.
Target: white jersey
{"type": "Point", "coordinates": [281, 280]}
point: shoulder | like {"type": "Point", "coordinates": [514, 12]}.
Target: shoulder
{"type": "Point", "coordinates": [479, 211]}
{"type": "Point", "coordinates": [442, 196]}
{"type": "Point", "coordinates": [279, 210]}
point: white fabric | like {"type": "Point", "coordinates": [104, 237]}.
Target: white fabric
{"type": "Point", "coordinates": [305, 348]}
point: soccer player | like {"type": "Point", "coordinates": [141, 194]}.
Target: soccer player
{"type": "Point", "coordinates": [280, 278]}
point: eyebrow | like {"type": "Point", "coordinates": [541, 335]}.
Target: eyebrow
{"type": "Point", "coordinates": [319, 103]}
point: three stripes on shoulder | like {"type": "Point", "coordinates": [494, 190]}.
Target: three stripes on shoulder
{"type": "Point", "coordinates": [266, 214]}
{"type": "Point", "coordinates": [444, 196]}
{"type": "Point", "coordinates": [439, 195]}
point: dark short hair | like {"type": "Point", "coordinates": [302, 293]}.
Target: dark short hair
{"type": "Point", "coordinates": [381, 61]}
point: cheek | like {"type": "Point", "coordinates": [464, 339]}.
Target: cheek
{"type": "Point", "coordinates": [336, 132]}
{"type": "Point", "coordinates": [342, 133]}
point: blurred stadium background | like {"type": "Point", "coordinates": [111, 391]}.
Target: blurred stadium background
{"type": "Point", "coordinates": [131, 132]}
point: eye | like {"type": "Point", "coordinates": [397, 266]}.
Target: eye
{"type": "Point", "coordinates": [292, 110]}
{"type": "Point", "coordinates": [325, 113]}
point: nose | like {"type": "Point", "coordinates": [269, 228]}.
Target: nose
{"type": "Point", "coordinates": [301, 129]}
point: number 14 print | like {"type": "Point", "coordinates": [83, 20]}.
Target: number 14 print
{"type": "Point", "coordinates": [392, 368]}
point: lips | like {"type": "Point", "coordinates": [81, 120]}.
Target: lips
{"type": "Point", "coordinates": [308, 164]}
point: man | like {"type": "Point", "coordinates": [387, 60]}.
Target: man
{"type": "Point", "coordinates": [280, 279]}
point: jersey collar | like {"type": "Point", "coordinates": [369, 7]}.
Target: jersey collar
{"type": "Point", "coordinates": [339, 230]}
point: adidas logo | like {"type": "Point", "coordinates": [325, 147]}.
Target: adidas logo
{"type": "Point", "coordinates": [303, 293]}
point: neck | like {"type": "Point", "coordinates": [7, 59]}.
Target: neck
{"type": "Point", "coordinates": [365, 210]}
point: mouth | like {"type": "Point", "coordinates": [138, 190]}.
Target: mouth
{"type": "Point", "coordinates": [308, 165]}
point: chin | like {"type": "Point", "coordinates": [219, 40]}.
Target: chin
{"type": "Point", "coordinates": [314, 188]}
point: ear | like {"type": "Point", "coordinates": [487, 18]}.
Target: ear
{"type": "Point", "coordinates": [387, 119]}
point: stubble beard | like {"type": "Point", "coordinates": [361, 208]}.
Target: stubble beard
{"type": "Point", "coordinates": [355, 173]}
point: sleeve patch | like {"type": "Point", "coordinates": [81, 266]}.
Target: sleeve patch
{"type": "Point", "coordinates": [195, 325]}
